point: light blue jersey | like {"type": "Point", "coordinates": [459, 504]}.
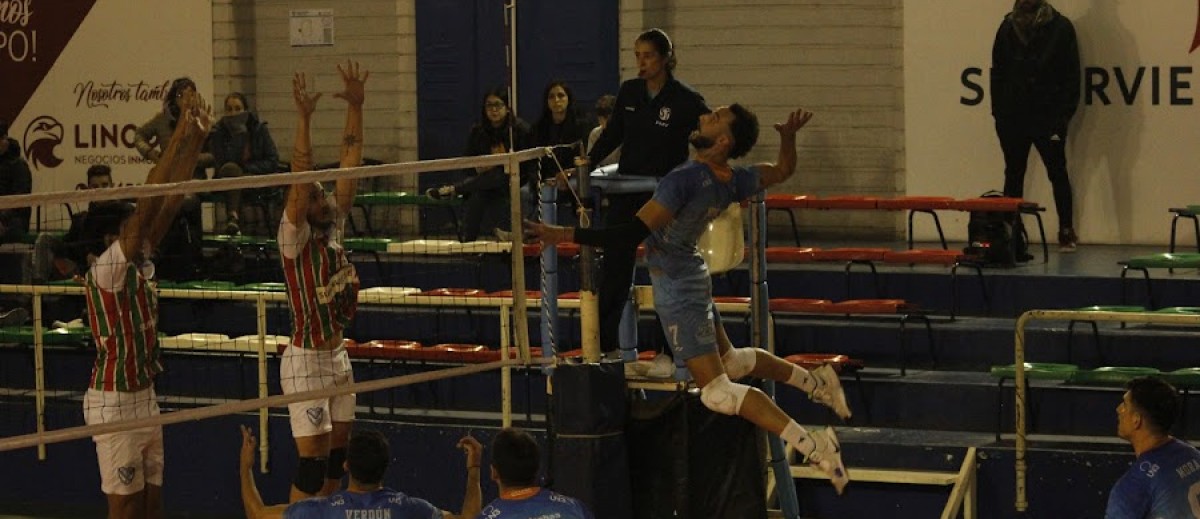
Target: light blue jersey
{"type": "Point", "coordinates": [696, 197]}
{"type": "Point", "coordinates": [546, 504]}
{"type": "Point", "coordinates": [682, 287]}
{"type": "Point", "coordinates": [1162, 483]}
{"type": "Point", "coordinates": [384, 503]}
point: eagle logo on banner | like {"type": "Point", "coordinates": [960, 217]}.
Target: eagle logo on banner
{"type": "Point", "coordinates": [41, 137]}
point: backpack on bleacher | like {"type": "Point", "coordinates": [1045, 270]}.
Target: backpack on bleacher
{"type": "Point", "coordinates": [997, 238]}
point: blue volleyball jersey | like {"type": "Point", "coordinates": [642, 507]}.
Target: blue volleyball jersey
{"type": "Point", "coordinates": [546, 504]}
{"type": "Point", "coordinates": [384, 503]}
{"type": "Point", "coordinates": [1162, 483]}
{"type": "Point", "coordinates": [694, 194]}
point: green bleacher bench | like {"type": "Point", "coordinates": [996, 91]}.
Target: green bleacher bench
{"type": "Point", "coordinates": [197, 285]}
{"type": "Point", "coordinates": [1110, 375]}
{"type": "Point", "coordinates": [1190, 212]}
{"type": "Point", "coordinates": [366, 244]}
{"type": "Point", "coordinates": [365, 201]}
{"type": "Point", "coordinates": [1036, 371]}
{"type": "Point", "coordinates": [264, 287]}
{"type": "Point", "coordinates": [1184, 378]}
{"type": "Point", "coordinates": [1033, 371]}
{"type": "Point", "coordinates": [215, 240]}
{"type": "Point", "coordinates": [55, 336]}
{"type": "Point", "coordinates": [1166, 260]}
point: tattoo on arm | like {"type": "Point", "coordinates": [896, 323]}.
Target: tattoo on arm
{"type": "Point", "coordinates": [351, 139]}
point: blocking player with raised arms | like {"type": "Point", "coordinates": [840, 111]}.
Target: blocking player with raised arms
{"type": "Point", "coordinates": [689, 198]}
{"type": "Point", "coordinates": [322, 291]}
{"type": "Point", "coordinates": [123, 315]}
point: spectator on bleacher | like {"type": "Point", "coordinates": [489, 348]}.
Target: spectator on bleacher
{"type": "Point", "coordinates": [180, 249]}
{"type": "Point", "coordinates": [1163, 479]}
{"type": "Point", "coordinates": [15, 179]}
{"type": "Point", "coordinates": [1035, 91]}
{"type": "Point", "coordinates": [486, 188]}
{"type": "Point", "coordinates": [241, 145]}
{"type": "Point", "coordinates": [653, 117]}
{"type": "Point", "coordinates": [322, 288]}
{"type": "Point", "coordinates": [122, 308]}
{"type": "Point", "coordinates": [604, 111]}
{"type": "Point", "coordinates": [559, 124]}
{"type": "Point", "coordinates": [515, 462]}
{"type": "Point", "coordinates": [57, 258]}
{"type": "Point", "coordinates": [367, 459]}
{"type": "Point", "coordinates": [685, 202]}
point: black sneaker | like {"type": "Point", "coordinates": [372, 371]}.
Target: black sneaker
{"type": "Point", "coordinates": [1067, 240]}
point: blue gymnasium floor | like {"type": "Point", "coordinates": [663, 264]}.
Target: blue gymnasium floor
{"type": "Point", "coordinates": [924, 419]}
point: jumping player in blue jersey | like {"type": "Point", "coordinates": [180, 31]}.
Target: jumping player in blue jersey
{"type": "Point", "coordinates": [685, 202]}
{"type": "Point", "coordinates": [515, 461]}
{"type": "Point", "coordinates": [1164, 480]}
{"type": "Point", "coordinates": [367, 456]}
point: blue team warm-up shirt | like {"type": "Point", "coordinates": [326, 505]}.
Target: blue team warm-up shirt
{"type": "Point", "coordinates": [1162, 483]}
{"type": "Point", "coordinates": [545, 504]}
{"type": "Point", "coordinates": [696, 197]}
{"type": "Point", "coordinates": [384, 503]}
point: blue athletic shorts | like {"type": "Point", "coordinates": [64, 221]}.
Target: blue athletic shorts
{"type": "Point", "coordinates": [685, 307]}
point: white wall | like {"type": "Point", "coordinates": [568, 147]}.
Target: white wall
{"type": "Point", "coordinates": [1128, 162]}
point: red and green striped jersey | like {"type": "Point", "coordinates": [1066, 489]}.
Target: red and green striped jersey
{"type": "Point", "coordinates": [322, 285]}
{"type": "Point", "coordinates": [123, 314]}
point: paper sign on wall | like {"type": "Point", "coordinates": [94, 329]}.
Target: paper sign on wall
{"type": "Point", "coordinates": [311, 27]}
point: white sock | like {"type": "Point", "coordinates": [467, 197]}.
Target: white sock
{"type": "Point", "coordinates": [802, 379]}
{"type": "Point", "coordinates": [798, 438]}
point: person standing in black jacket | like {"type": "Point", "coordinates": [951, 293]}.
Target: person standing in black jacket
{"type": "Point", "coordinates": [1035, 87]}
{"type": "Point", "coordinates": [653, 118]}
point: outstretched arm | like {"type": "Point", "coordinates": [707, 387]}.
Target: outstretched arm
{"type": "Point", "coordinates": [473, 496]}
{"type": "Point", "coordinates": [782, 169]}
{"type": "Point", "coordinates": [352, 137]}
{"type": "Point", "coordinates": [252, 502]}
{"type": "Point", "coordinates": [153, 215]}
{"type": "Point", "coordinates": [298, 195]}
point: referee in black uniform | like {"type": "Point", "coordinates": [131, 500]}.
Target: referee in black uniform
{"type": "Point", "coordinates": [653, 117]}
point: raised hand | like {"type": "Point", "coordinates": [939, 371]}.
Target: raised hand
{"type": "Point", "coordinates": [306, 103]}
{"type": "Point", "coordinates": [795, 121]}
{"type": "Point", "coordinates": [354, 82]}
{"type": "Point", "coordinates": [246, 461]}
{"type": "Point", "coordinates": [201, 113]}
{"type": "Point", "coordinates": [473, 449]}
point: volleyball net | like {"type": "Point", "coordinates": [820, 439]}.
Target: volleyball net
{"type": "Point", "coordinates": [351, 303]}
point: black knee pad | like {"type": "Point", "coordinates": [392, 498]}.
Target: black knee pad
{"type": "Point", "coordinates": [337, 464]}
{"type": "Point", "coordinates": [310, 474]}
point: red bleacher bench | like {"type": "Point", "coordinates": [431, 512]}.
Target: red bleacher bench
{"type": "Point", "coordinates": [915, 203]}
{"type": "Point", "coordinates": [924, 257]}
{"type": "Point", "coordinates": [839, 363]}
{"type": "Point", "coordinates": [850, 254]}
{"type": "Point", "coordinates": [789, 254]}
{"type": "Point", "coordinates": [793, 305]}
{"type": "Point", "coordinates": [843, 202]}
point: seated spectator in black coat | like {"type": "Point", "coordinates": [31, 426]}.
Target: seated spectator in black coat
{"type": "Point", "coordinates": [241, 145]}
